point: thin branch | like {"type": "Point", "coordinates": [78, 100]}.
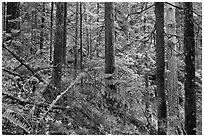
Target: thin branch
{"type": "Point", "coordinates": [182, 9]}
{"type": "Point", "coordinates": [15, 74]}
{"type": "Point", "coordinates": [139, 12]}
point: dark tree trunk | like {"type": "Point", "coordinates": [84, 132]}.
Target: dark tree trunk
{"type": "Point", "coordinates": [160, 65]}
{"type": "Point", "coordinates": [189, 85]}
{"type": "Point", "coordinates": [58, 45]}
{"type": "Point", "coordinates": [81, 38]}
{"type": "Point", "coordinates": [42, 27]}
{"type": "Point", "coordinates": [4, 16]}
{"type": "Point", "coordinates": [51, 25]}
{"type": "Point", "coordinates": [12, 13]}
{"type": "Point", "coordinates": [76, 40]}
{"type": "Point", "coordinates": [109, 49]}
{"type": "Point", "coordinates": [65, 34]}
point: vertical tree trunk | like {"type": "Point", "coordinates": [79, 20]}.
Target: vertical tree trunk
{"type": "Point", "coordinates": [65, 34]}
{"type": "Point", "coordinates": [76, 39]}
{"type": "Point", "coordinates": [81, 38]}
{"type": "Point", "coordinates": [12, 13]}
{"type": "Point", "coordinates": [160, 65]}
{"type": "Point", "coordinates": [42, 27]}
{"type": "Point", "coordinates": [4, 15]}
{"type": "Point", "coordinates": [109, 48]}
{"type": "Point", "coordinates": [51, 25]}
{"type": "Point", "coordinates": [189, 85]}
{"type": "Point", "coordinates": [98, 34]}
{"type": "Point", "coordinates": [58, 45]}
{"type": "Point", "coordinates": [172, 82]}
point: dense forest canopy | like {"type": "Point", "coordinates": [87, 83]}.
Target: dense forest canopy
{"type": "Point", "coordinates": [85, 68]}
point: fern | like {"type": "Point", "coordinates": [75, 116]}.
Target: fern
{"type": "Point", "coordinates": [11, 117]}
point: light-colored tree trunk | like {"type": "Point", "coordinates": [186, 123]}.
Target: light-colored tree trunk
{"type": "Point", "coordinates": [172, 78]}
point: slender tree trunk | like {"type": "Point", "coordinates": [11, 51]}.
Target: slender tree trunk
{"type": "Point", "coordinates": [109, 48]}
{"type": "Point", "coordinates": [98, 34]}
{"type": "Point", "coordinates": [12, 13]}
{"type": "Point", "coordinates": [58, 45]}
{"type": "Point", "coordinates": [4, 16]}
{"type": "Point", "coordinates": [160, 65]}
{"type": "Point", "coordinates": [65, 34]}
{"type": "Point", "coordinates": [81, 38]}
{"type": "Point", "coordinates": [51, 25]}
{"type": "Point", "coordinates": [76, 40]}
{"type": "Point", "coordinates": [172, 82]}
{"type": "Point", "coordinates": [189, 85]}
{"type": "Point", "coordinates": [42, 27]}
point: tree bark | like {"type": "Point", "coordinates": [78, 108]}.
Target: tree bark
{"type": "Point", "coordinates": [189, 84]}
{"type": "Point", "coordinates": [51, 25]}
{"type": "Point", "coordinates": [160, 65]}
{"type": "Point", "coordinates": [12, 13]}
{"type": "Point", "coordinates": [42, 27]}
{"type": "Point", "coordinates": [76, 40]}
{"type": "Point", "coordinates": [58, 45]}
{"type": "Point", "coordinates": [172, 82]}
{"type": "Point", "coordinates": [65, 34]}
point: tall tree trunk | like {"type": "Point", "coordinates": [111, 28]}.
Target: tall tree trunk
{"type": "Point", "coordinates": [51, 25]}
{"type": "Point", "coordinates": [76, 40]}
{"type": "Point", "coordinates": [189, 85]}
{"type": "Point", "coordinates": [172, 82]}
{"type": "Point", "coordinates": [4, 16]}
{"type": "Point", "coordinates": [98, 34]}
{"type": "Point", "coordinates": [109, 48]}
{"type": "Point", "coordinates": [65, 34]}
{"type": "Point", "coordinates": [160, 65]}
{"type": "Point", "coordinates": [12, 13]}
{"type": "Point", "coordinates": [42, 26]}
{"type": "Point", "coordinates": [81, 38]}
{"type": "Point", "coordinates": [58, 45]}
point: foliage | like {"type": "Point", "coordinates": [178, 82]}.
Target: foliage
{"type": "Point", "coordinates": [82, 107]}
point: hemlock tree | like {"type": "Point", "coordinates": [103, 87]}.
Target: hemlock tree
{"type": "Point", "coordinates": [160, 65]}
{"type": "Point", "coordinates": [189, 85]}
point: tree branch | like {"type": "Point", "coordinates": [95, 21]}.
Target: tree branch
{"type": "Point", "coordinates": [139, 12]}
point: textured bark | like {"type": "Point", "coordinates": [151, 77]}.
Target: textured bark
{"type": "Point", "coordinates": [12, 13]}
{"type": "Point", "coordinates": [189, 85]}
{"type": "Point", "coordinates": [65, 34]}
{"type": "Point", "coordinates": [109, 49]}
{"type": "Point", "coordinates": [42, 27]}
{"type": "Point", "coordinates": [172, 80]}
{"type": "Point", "coordinates": [76, 40]}
{"type": "Point", "coordinates": [58, 45]}
{"type": "Point", "coordinates": [81, 36]}
{"type": "Point", "coordinates": [51, 25]}
{"type": "Point", "coordinates": [161, 110]}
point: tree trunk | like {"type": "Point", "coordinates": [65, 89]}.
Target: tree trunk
{"type": "Point", "coordinates": [58, 45]}
{"type": "Point", "coordinates": [65, 34]}
{"type": "Point", "coordinates": [81, 38]}
{"type": "Point", "coordinates": [51, 25]}
{"type": "Point", "coordinates": [76, 39]}
{"type": "Point", "coordinates": [42, 27]}
{"type": "Point", "coordinates": [160, 65]}
{"type": "Point", "coordinates": [12, 13]}
{"type": "Point", "coordinates": [172, 80]}
{"type": "Point", "coordinates": [189, 85]}
{"type": "Point", "coordinates": [109, 48]}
